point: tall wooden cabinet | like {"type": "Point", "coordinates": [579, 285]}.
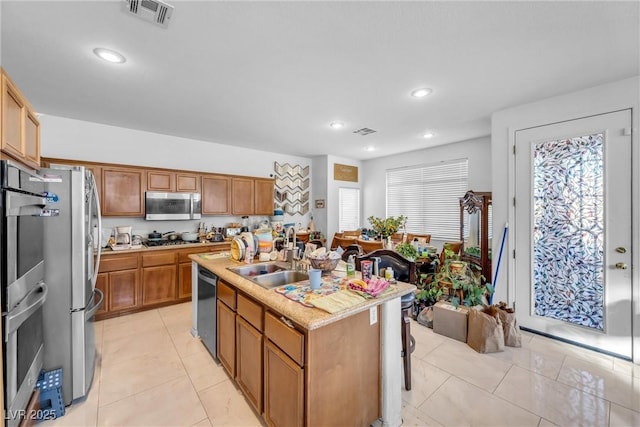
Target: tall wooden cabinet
{"type": "Point", "coordinates": [19, 127]}
{"type": "Point", "coordinates": [123, 191]}
{"type": "Point", "coordinates": [476, 230]}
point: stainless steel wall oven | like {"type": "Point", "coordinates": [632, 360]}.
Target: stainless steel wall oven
{"type": "Point", "coordinates": [23, 289]}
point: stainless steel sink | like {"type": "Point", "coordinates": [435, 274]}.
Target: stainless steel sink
{"type": "Point", "coordinates": [270, 274]}
{"type": "Point", "coordinates": [251, 270]}
{"type": "Point", "coordinates": [279, 278]}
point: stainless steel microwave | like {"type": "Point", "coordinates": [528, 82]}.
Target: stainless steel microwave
{"type": "Point", "coordinates": [171, 206]}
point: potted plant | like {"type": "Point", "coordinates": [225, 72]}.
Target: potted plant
{"type": "Point", "coordinates": [388, 226]}
{"type": "Point", "coordinates": [466, 281]}
{"type": "Point", "coordinates": [407, 250]}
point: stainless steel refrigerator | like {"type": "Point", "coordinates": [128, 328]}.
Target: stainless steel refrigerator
{"type": "Point", "coordinates": [72, 258]}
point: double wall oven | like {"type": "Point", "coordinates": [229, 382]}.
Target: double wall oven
{"type": "Point", "coordinates": [24, 290]}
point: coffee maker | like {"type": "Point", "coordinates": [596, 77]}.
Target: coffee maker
{"type": "Point", "coordinates": [122, 235]}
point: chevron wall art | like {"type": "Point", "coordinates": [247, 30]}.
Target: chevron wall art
{"type": "Point", "coordinates": [292, 188]}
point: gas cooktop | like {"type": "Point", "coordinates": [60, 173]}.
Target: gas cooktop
{"type": "Point", "coordinates": [168, 243]}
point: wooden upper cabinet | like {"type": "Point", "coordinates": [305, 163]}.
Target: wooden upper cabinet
{"type": "Point", "coordinates": [32, 138]}
{"type": "Point", "coordinates": [187, 182]}
{"type": "Point", "coordinates": [242, 196]}
{"type": "Point", "coordinates": [264, 189]}
{"type": "Point", "coordinates": [13, 107]}
{"type": "Point", "coordinates": [216, 194]}
{"type": "Point", "coordinates": [161, 181]}
{"type": "Point", "coordinates": [20, 128]}
{"type": "Point", "coordinates": [123, 191]}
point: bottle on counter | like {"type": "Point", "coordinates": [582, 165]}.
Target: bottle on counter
{"type": "Point", "coordinates": [351, 266]}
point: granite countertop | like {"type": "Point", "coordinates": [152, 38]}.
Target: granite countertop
{"type": "Point", "coordinates": [306, 317]}
{"type": "Point", "coordinates": [108, 251]}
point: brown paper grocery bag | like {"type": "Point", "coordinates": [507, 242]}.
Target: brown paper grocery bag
{"type": "Point", "coordinates": [512, 336]}
{"type": "Point", "coordinates": [485, 334]}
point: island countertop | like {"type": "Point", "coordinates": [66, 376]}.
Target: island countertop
{"type": "Point", "coordinates": [306, 317]}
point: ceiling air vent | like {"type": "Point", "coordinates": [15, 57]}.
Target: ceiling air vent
{"type": "Point", "coordinates": [151, 10]}
{"type": "Point", "coordinates": [364, 131]}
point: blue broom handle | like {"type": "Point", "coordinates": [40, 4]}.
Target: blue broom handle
{"type": "Point", "coordinates": [495, 279]}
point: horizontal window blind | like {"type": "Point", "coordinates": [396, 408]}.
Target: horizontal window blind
{"type": "Point", "coordinates": [349, 206]}
{"type": "Point", "coordinates": [428, 196]}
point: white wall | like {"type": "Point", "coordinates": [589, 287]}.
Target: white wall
{"type": "Point", "coordinates": [478, 151]}
{"type": "Point", "coordinates": [333, 188]}
{"type": "Point", "coordinates": [319, 191]}
{"type": "Point", "coordinates": [609, 97]}
{"type": "Point", "coordinates": [80, 140]}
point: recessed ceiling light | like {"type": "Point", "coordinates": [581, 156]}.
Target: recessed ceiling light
{"type": "Point", "coordinates": [336, 125]}
{"type": "Point", "coordinates": [429, 135]}
{"type": "Point", "coordinates": [422, 92]}
{"type": "Point", "coordinates": [369, 148]}
{"type": "Point", "coordinates": [109, 55]}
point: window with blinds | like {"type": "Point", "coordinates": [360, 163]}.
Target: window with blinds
{"type": "Point", "coordinates": [349, 206]}
{"type": "Point", "coordinates": [428, 195]}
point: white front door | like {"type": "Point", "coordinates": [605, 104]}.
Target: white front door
{"type": "Point", "coordinates": [573, 231]}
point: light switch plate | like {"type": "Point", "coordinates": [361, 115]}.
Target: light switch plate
{"type": "Point", "coordinates": [373, 315]}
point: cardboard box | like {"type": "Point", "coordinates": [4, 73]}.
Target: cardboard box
{"type": "Point", "coordinates": [450, 321]}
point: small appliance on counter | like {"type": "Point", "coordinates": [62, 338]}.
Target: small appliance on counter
{"type": "Point", "coordinates": [233, 229]}
{"type": "Point", "coordinates": [122, 238]}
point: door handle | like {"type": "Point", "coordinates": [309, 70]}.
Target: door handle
{"type": "Point", "coordinates": [621, 266]}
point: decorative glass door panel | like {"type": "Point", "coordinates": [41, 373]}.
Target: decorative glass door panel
{"type": "Point", "coordinates": [572, 231]}
{"type": "Point", "coordinates": [568, 230]}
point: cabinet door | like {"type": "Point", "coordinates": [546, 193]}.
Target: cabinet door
{"type": "Point", "coordinates": [102, 283]}
{"type": "Point", "coordinates": [216, 194]}
{"type": "Point", "coordinates": [249, 362]}
{"type": "Point", "coordinates": [124, 290]}
{"type": "Point", "coordinates": [226, 324]}
{"type": "Point", "coordinates": [122, 192]}
{"type": "Point", "coordinates": [32, 139]}
{"type": "Point", "coordinates": [158, 284]}
{"type": "Point", "coordinates": [187, 182]}
{"type": "Point", "coordinates": [242, 194]}
{"type": "Point", "coordinates": [283, 388]}
{"type": "Point", "coordinates": [184, 280]}
{"type": "Point", "coordinates": [264, 196]}
{"type": "Point", "coordinates": [12, 119]}
{"type": "Point", "coordinates": [160, 181]}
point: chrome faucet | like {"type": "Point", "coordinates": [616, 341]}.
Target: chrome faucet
{"type": "Point", "coordinates": [292, 254]}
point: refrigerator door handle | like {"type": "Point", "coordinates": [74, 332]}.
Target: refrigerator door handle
{"type": "Point", "coordinates": [96, 197]}
{"type": "Point", "coordinates": [88, 314]}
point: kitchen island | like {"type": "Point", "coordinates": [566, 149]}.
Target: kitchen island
{"type": "Point", "coordinates": [298, 365]}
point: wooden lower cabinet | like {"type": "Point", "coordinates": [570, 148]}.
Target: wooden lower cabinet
{"type": "Point", "coordinates": [283, 388]}
{"type": "Point", "coordinates": [102, 283]}
{"type": "Point", "coordinates": [158, 284]}
{"type": "Point", "coordinates": [124, 290]}
{"type": "Point", "coordinates": [249, 362]}
{"type": "Point", "coordinates": [226, 325]}
{"type": "Point", "coordinates": [184, 280]}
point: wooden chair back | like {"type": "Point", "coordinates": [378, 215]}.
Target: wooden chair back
{"type": "Point", "coordinates": [370, 245]}
{"type": "Point", "coordinates": [342, 242]}
{"type": "Point", "coordinates": [452, 246]}
{"type": "Point", "coordinates": [353, 249]}
{"type": "Point", "coordinates": [398, 238]}
{"type": "Point", "coordinates": [426, 237]}
{"type": "Point", "coordinates": [404, 269]}
{"type": "Point", "coordinates": [352, 233]}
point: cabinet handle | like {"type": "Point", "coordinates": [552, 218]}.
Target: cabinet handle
{"type": "Point", "coordinates": [287, 322]}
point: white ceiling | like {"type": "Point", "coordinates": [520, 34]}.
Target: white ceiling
{"type": "Point", "coordinates": [273, 75]}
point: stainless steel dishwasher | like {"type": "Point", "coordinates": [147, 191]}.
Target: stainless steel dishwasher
{"type": "Point", "coordinates": [207, 293]}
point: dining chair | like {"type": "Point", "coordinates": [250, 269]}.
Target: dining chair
{"type": "Point", "coordinates": [455, 247]}
{"type": "Point", "coordinates": [398, 238]}
{"type": "Point", "coordinates": [352, 233]}
{"type": "Point", "coordinates": [352, 249]}
{"type": "Point", "coordinates": [404, 271]}
{"type": "Point", "coordinates": [342, 242]}
{"type": "Point", "coordinates": [370, 245]}
{"type": "Point", "coordinates": [411, 236]}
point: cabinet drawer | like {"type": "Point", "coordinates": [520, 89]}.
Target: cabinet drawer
{"type": "Point", "coordinates": [227, 294]}
{"type": "Point", "coordinates": [127, 262]}
{"type": "Point", "coordinates": [287, 338]}
{"type": "Point", "coordinates": [164, 258]}
{"type": "Point", "coordinates": [183, 255]}
{"type": "Point", "coordinates": [251, 311]}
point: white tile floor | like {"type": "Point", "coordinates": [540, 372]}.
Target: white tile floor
{"type": "Point", "coordinates": [151, 372]}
